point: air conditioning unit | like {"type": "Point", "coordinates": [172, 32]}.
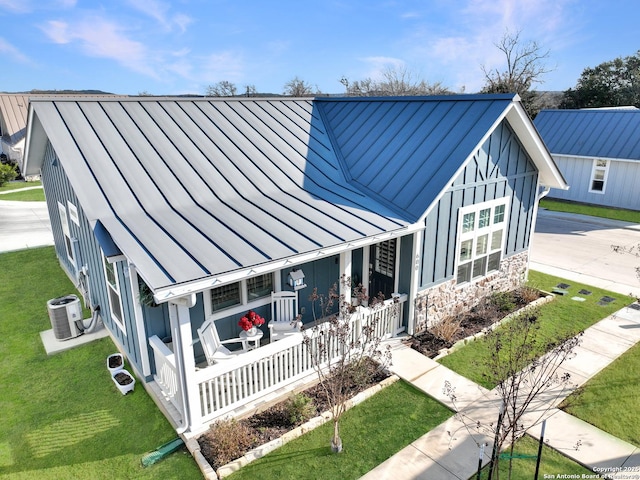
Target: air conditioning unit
{"type": "Point", "coordinates": [65, 314]}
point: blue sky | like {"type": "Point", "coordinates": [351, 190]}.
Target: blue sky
{"type": "Point", "coordinates": [182, 46]}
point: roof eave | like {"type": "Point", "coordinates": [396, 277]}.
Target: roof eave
{"type": "Point", "coordinates": [171, 292]}
{"type": "Point", "coordinates": [549, 174]}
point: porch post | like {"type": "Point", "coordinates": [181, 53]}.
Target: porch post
{"type": "Point", "coordinates": [180, 319]}
{"type": "Point", "coordinates": [345, 269]}
{"type": "Point", "coordinates": [415, 280]}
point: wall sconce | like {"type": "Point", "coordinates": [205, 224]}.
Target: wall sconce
{"type": "Point", "coordinates": [296, 279]}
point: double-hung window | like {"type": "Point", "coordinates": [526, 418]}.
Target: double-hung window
{"type": "Point", "coordinates": [599, 176]}
{"type": "Point", "coordinates": [64, 222]}
{"type": "Point", "coordinates": [241, 293]}
{"type": "Point", "coordinates": [113, 290]}
{"type": "Point", "coordinates": [481, 236]}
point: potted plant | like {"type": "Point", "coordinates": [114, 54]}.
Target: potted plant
{"type": "Point", "coordinates": [124, 381]}
{"type": "Point", "coordinates": [250, 322]}
{"type": "Point", "coordinates": [115, 363]}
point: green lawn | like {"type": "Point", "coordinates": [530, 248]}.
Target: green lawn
{"type": "Point", "coordinates": [551, 463]}
{"type": "Point", "coordinates": [593, 210]}
{"type": "Point", "coordinates": [35, 195]}
{"type": "Point", "coordinates": [561, 319]}
{"type": "Point", "coordinates": [16, 185]}
{"type": "Point", "coordinates": [371, 432]}
{"type": "Point", "coordinates": [62, 416]}
{"type": "Point", "coordinates": [610, 399]}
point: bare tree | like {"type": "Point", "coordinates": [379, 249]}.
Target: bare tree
{"type": "Point", "coordinates": [296, 87]}
{"type": "Point", "coordinates": [250, 90]}
{"type": "Point", "coordinates": [224, 88]}
{"type": "Point", "coordinates": [526, 65]}
{"type": "Point", "coordinates": [342, 349]}
{"type": "Point", "coordinates": [521, 382]}
{"type": "Point", "coordinates": [395, 82]}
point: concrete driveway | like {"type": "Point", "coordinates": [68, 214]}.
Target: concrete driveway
{"type": "Point", "coordinates": [24, 225]}
{"type": "Point", "coordinates": [578, 247]}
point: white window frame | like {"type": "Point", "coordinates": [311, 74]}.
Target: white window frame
{"type": "Point", "coordinates": [599, 168]}
{"type": "Point", "coordinates": [476, 241]}
{"type": "Point", "coordinates": [64, 222]}
{"type": "Point", "coordinates": [73, 213]}
{"type": "Point", "coordinates": [115, 289]}
{"type": "Point", "coordinates": [245, 301]}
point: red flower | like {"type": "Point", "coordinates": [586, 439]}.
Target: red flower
{"type": "Point", "coordinates": [250, 320]}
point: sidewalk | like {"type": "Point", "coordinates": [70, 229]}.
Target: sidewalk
{"type": "Point", "coordinates": [23, 224]}
{"type": "Point", "coordinates": [449, 451]}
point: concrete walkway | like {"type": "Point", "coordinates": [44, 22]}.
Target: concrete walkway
{"type": "Point", "coordinates": [23, 224]}
{"type": "Point", "coordinates": [450, 451]}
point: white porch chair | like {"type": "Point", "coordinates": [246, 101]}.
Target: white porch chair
{"type": "Point", "coordinates": [214, 349]}
{"type": "Point", "coordinates": [284, 315]}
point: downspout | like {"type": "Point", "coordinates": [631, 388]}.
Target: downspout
{"type": "Point", "coordinates": [540, 196]}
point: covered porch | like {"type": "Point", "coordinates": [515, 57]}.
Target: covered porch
{"type": "Point", "coordinates": [194, 396]}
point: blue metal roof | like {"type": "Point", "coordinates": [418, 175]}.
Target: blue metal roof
{"type": "Point", "coordinates": [403, 151]}
{"type": "Point", "coordinates": [603, 133]}
{"type": "Point", "coordinates": [190, 189]}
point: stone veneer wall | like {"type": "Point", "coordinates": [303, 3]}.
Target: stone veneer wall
{"type": "Point", "coordinates": [445, 299]}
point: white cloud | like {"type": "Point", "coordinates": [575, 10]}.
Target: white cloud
{"type": "Point", "coordinates": [98, 37]}
{"type": "Point", "coordinates": [25, 6]}
{"type": "Point", "coordinates": [377, 66]}
{"type": "Point", "coordinates": [160, 12]}
{"type": "Point", "coordinates": [9, 50]}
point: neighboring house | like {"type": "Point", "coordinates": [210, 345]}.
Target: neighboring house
{"type": "Point", "coordinates": [598, 152]}
{"type": "Point", "coordinates": [13, 125]}
{"type": "Point", "coordinates": [210, 204]}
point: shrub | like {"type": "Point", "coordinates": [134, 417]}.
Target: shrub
{"type": "Point", "coordinates": [7, 173]}
{"type": "Point", "coordinates": [446, 329]}
{"type": "Point", "coordinates": [503, 301]}
{"type": "Point", "coordinates": [226, 441]}
{"type": "Point", "coordinates": [527, 294]}
{"type": "Point", "coordinates": [299, 408]}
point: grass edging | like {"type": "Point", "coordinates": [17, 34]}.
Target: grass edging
{"type": "Point", "coordinates": [262, 450]}
{"type": "Point", "coordinates": [548, 296]}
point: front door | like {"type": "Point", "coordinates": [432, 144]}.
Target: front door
{"type": "Point", "coordinates": [382, 258]}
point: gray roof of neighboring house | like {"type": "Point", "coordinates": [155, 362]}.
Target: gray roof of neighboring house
{"type": "Point", "coordinates": [13, 115]}
{"type": "Point", "coordinates": [603, 132]}
{"type": "Point", "coordinates": [194, 189]}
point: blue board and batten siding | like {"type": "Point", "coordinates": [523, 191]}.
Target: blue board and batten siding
{"type": "Point", "coordinates": [621, 186]}
{"type": "Point", "coordinates": [87, 252]}
{"type": "Point", "coordinates": [500, 168]}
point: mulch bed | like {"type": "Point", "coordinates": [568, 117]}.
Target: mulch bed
{"type": "Point", "coordinates": [485, 314]}
{"type": "Point", "coordinates": [274, 422]}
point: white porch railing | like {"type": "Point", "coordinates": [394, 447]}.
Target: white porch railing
{"type": "Point", "coordinates": [228, 385]}
{"type": "Point", "coordinates": [166, 375]}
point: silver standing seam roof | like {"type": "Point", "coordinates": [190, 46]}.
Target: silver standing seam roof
{"type": "Point", "coordinates": [603, 133]}
{"type": "Point", "coordinates": [13, 110]}
{"type": "Point", "coordinates": [196, 189]}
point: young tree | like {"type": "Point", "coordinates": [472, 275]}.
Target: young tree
{"type": "Point", "coordinates": [610, 84]}
{"type": "Point", "coordinates": [521, 381]}
{"type": "Point", "coordinates": [526, 64]}
{"type": "Point", "coordinates": [342, 348]}
{"type": "Point", "coordinates": [395, 82]}
{"type": "Point", "coordinates": [296, 87]}
{"type": "Point", "coordinates": [224, 88]}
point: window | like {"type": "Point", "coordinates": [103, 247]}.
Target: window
{"type": "Point", "coordinates": [481, 239]}
{"type": "Point", "coordinates": [240, 293]}
{"type": "Point", "coordinates": [64, 222]}
{"type": "Point", "coordinates": [385, 257]}
{"type": "Point", "coordinates": [599, 176]}
{"type": "Point", "coordinates": [113, 290]}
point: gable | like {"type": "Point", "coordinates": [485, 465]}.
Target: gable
{"type": "Point", "coordinates": [403, 152]}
